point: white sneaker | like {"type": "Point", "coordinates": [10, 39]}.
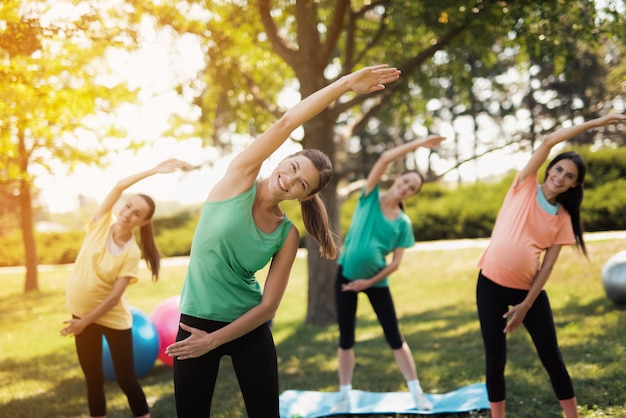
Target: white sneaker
{"type": "Point", "coordinates": [342, 404]}
{"type": "Point", "coordinates": [422, 403]}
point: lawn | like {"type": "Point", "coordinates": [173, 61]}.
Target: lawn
{"type": "Point", "coordinates": [434, 296]}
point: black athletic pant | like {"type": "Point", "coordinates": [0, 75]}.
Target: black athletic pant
{"type": "Point", "coordinates": [380, 298]}
{"type": "Point", "coordinates": [493, 301]}
{"type": "Point", "coordinates": [254, 360]}
{"type": "Point", "coordinates": [89, 350]}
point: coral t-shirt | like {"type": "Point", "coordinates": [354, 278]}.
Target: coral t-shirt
{"type": "Point", "coordinates": [523, 231]}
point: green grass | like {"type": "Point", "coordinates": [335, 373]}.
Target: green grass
{"type": "Point", "coordinates": [434, 296]}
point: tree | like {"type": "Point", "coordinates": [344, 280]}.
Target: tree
{"type": "Point", "coordinates": [446, 49]}
{"type": "Point", "coordinates": [49, 89]}
{"type": "Point", "coordinates": [321, 40]}
{"type": "Point", "coordinates": [254, 49]}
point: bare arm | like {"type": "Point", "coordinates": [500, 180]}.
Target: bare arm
{"type": "Point", "coordinates": [387, 157]}
{"type": "Point", "coordinates": [517, 313]}
{"type": "Point", "coordinates": [201, 342]}
{"type": "Point", "coordinates": [77, 325]}
{"type": "Point", "coordinates": [167, 166]}
{"type": "Point", "coordinates": [362, 284]}
{"type": "Point", "coordinates": [245, 167]}
{"type": "Point", "coordinates": [543, 150]}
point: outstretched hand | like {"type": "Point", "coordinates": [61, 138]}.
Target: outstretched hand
{"type": "Point", "coordinates": [611, 119]}
{"type": "Point", "coordinates": [374, 78]}
{"type": "Point", "coordinates": [432, 141]}
{"type": "Point", "coordinates": [170, 165]}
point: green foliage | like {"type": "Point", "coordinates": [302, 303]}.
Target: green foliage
{"type": "Point", "coordinates": [438, 212]}
{"type": "Point", "coordinates": [61, 248]}
{"type": "Point", "coordinates": [56, 248]}
{"type": "Point", "coordinates": [12, 253]}
{"type": "Point", "coordinates": [604, 207]}
{"type": "Point", "coordinates": [604, 165]}
{"type": "Point", "coordinates": [173, 237]}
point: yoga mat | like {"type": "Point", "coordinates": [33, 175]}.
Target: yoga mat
{"type": "Point", "coordinates": [311, 404]}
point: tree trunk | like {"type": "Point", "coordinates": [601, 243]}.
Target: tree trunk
{"type": "Point", "coordinates": [321, 299]}
{"type": "Point", "coordinates": [26, 220]}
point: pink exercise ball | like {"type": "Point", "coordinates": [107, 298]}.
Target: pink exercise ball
{"type": "Point", "coordinates": [166, 317]}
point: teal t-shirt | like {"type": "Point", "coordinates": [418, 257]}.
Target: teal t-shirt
{"type": "Point", "coordinates": [371, 237]}
{"type": "Point", "coordinates": [226, 252]}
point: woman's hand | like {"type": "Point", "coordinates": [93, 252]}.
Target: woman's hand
{"type": "Point", "coordinates": [170, 165]}
{"type": "Point", "coordinates": [611, 119]}
{"type": "Point", "coordinates": [370, 79]}
{"type": "Point", "coordinates": [74, 327]}
{"type": "Point", "coordinates": [196, 345]}
{"type": "Point", "coordinates": [515, 315]}
{"type": "Point", "coordinates": [432, 141]}
{"type": "Point", "coordinates": [356, 285]}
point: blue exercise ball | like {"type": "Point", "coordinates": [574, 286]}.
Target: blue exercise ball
{"type": "Point", "coordinates": [145, 346]}
{"type": "Point", "coordinates": [614, 278]}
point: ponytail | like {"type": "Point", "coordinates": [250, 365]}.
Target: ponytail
{"type": "Point", "coordinates": [315, 219]}
{"type": "Point", "coordinates": [314, 215]}
{"type": "Point", "coordinates": [149, 250]}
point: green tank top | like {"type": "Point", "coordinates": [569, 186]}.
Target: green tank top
{"type": "Point", "coordinates": [226, 252]}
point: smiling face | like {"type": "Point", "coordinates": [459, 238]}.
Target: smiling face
{"type": "Point", "coordinates": [407, 185]}
{"type": "Point", "coordinates": [295, 178]}
{"type": "Point", "coordinates": [135, 212]}
{"type": "Point", "coordinates": [560, 177]}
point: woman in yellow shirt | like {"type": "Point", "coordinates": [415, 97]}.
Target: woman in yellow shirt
{"type": "Point", "coordinates": [107, 263]}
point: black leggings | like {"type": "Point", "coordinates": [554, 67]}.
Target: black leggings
{"type": "Point", "coordinates": [380, 298]}
{"type": "Point", "coordinates": [89, 350]}
{"type": "Point", "coordinates": [493, 301]}
{"type": "Point", "coordinates": [254, 360]}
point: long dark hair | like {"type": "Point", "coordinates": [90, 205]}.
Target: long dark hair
{"type": "Point", "coordinates": [314, 214]}
{"type": "Point", "coordinates": [149, 250]}
{"type": "Point", "coordinates": [572, 199]}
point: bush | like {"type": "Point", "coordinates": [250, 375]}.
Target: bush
{"type": "Point", "coordinates": [439, 211]}
{"type": "Point", "coordinates": [604, 208]}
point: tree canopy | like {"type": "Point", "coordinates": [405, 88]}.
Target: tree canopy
{"type": "Point", "coordinates": [53, 90]}
{"type": "Point", "coordinates": [490, 75]}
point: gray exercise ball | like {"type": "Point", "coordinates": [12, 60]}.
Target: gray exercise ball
{"type": "Point", "coordinates": [614, 278]}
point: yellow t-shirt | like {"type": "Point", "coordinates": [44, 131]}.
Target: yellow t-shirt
{"type": "Point", "coordinates": [95, 271]}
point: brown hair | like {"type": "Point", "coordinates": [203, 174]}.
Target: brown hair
{"type": "Point", "coordinates": [314, 213]}
{"type": "Point", "coordinates": [149, 250]}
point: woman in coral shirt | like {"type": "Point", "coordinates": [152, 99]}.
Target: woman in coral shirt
{"type": "Point", "coordinates": [535, 220]}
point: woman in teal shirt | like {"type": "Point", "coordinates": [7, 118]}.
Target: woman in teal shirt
{"type": "Point", "coordinates": [241, 228]}
{"type": "Point", "coordinates": [379, 227]}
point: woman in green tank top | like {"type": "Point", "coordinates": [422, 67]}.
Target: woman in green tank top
{"type": "Point", "coordinates": [219, 270]}
{"type": "Point", "coordinates": [379, 227]}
